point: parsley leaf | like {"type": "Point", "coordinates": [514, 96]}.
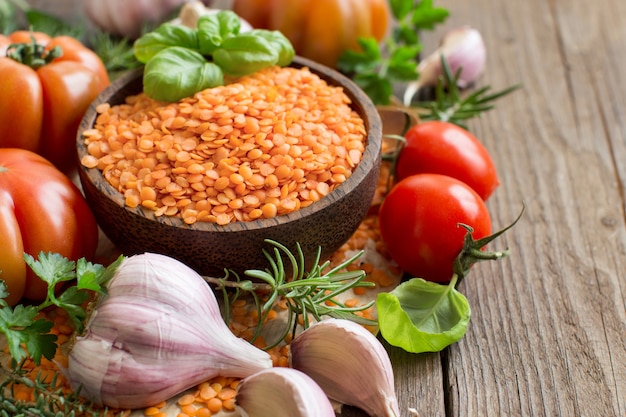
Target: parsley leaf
{"type": "Point", "coordinates": [426, 17]}
{"type": "Point", "coordinates": [52, 268]}
{"type": "Point", "coordinates": [28, 335]}
{"type": "Point", "coordinates": [21, 328]}
{"type": "Point", "coordinates": [375, 68]}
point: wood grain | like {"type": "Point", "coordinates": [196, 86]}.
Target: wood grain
{"type": "Point", "coordinates": [548, 329]}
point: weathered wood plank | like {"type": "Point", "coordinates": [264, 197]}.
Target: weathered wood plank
{"type": "Point", "coordinates": [548, 332]}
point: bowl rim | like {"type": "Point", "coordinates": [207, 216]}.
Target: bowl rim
{"type": "Point", "coordinates": [359, 102]}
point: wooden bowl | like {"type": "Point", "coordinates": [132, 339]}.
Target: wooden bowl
{"type": "Point", "coordinates": [209, 248]}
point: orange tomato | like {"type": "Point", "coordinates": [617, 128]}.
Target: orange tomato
{"type": "Point", "coordinates": [42, 103]}
{"type": "Point", "coordinates": [40, 210]}
{"type": "Point", "coordinates": [320, 30]}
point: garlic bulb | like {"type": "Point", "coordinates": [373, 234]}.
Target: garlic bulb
{"type": "Point", "coordinates": [127, 18]}
{"type": "Point", "coordinates": [157, 333]}
{"type": "Point", "coordinates": [349, 364]}
{"type": "Point", "coordinates": [282, 392]}
{"type": "Point", "coordinates": [463, 48]}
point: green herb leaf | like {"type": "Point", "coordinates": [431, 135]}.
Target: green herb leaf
{"type": "Point", "coordinates": [165, 36]}
{"type": "Point", "coordinates": [244, 54]}
{"type": "Point", "coordinates": [214, 28]}
{"type": "Point", "coordinates": [282, 46]}
{"type": "Point", "coordinates": [425, 16]}
{"type": "Point", "coordinates": [377, 87]}
{"type": "Point", "coordinates": [403, 63]}
{"type": "Point", "coordinates": [88, 275]}
{"type": "Point", "coordinates": [43, 22]}
{"type": "Point", "coordinates": [177, 72]}
{"type": "Point", "coordinates": [422, 316]}
{"type": "Point", "coordinates": [103, 276]}
{"type": "Point", "coordinates": [52, 268]}
{"type": "Point", "coordinates": [450, 105]}
{"type": "Point", "coordinates": [364, 61]}
{"type": "Point", "coordinates": [20, 328]}
{"type": "Point", "coordinates": [401, 8]}
{"type": "Point", "coordinates": [117, 54]}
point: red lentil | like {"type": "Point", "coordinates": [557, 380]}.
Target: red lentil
{"type": "Point", "coordinates": [281, 130]}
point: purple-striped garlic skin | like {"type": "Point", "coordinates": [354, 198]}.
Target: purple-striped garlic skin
{"type": "Point", "coordinates": [158, 332]}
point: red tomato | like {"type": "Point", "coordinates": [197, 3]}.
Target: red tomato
{"type": "Point", "coordinates": [42, 104]}
{"type": "Point", "coordinates": [445, 148]}
{"type": "Point", "coordinates": [419, 223]}
{"type": "Point", "coordinates": [40, 210]}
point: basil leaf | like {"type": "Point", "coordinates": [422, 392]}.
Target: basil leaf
{"type": "Point", "coordinates": [214, 28]}
{"type": "Point", "coordinates": [244, 54]}
{"type": "Point", "coordinates": [165, 36]}
{"type": "Point", "coordinates": [176, 73]}
{"type": "Point", "coordinates": [280, 43]}
{"type": "Point", "coordinates": [422, 316]}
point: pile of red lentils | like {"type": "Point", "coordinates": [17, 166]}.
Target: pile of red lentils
{"type": "Point", "coordinates": [268, 144]}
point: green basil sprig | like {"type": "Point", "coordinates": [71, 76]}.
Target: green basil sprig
{"type": "Point", "coordinates": [180, 61]}
{"type": "Point", "coordinates": [422, 316]}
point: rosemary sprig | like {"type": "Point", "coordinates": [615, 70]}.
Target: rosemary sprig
{"type": "Point", "coordinates": [50, 401]}
{"type": "Point", "coordinates": [116, 53]}
{"type": "Point", "coordinates": [307, 294]}
{"type": "Point", "coordinates": [451, 106]}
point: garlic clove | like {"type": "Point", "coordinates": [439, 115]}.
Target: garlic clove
{"type": "Point", "coordinates": [282, 392]}
{"type": "Point", "coordinates": [463, 48]}
{"type": "Point", "coordinates": [158, 332]}
{"type": "Point", "coordinates": [193, 10]}
{"type": "Point", "coordinates": [349, 363]}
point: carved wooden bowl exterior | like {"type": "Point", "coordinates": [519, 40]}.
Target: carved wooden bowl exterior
{"type": "Point", "coordinates": [209, 248]}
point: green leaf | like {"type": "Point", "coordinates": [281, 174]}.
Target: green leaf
{"type": "Point", "coordinates": [425, 16]}
{"type": "Point", "coordinates": [244, 54]}
{"type": "Point", "coordinates": [39, 342]}
{"type": "Point", "coordinates": [52, 268]}
{"type": "Point", "coordinates": [20, 327]}
{"type": "Point", "coordinates": [3, 293]}
{"type": "Point", "coordinates": [71, 301]}
{"type": "Point", "coordinates": [89, 275]}
{"type": "Point", "coordinates": [165, 36]}
{"type": "Point", "coordinates": [366, 60]}
{"type": "Point", "coordinates": [8, 17]}
{"type": "Point", "coordinates": [214, 28]}
{"type": "Point", "coordinates": [422, 316]}
{"type": "Point", "coordinates": [282, 45]}
{"type": "Point", "coordinates": [403, 63]}
{"type": "Point", "coordinates": [40, 21]}
{"type": "Point", "coordinates": [401, 8]}
{"type": "Point", "coordinates": [109, 272]}
{"type": "Point", "coordinates": [378, 88]}
{"type": "Point", "coordinates": [176, 72]}
{"type": "Point", "coordinates": [405, 34]}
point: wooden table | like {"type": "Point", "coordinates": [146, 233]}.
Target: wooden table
{"type": "Point", "coordinates": [548, 330]}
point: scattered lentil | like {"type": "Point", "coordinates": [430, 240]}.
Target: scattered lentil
{"type": "Point", "coordinates": [218, 394]}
